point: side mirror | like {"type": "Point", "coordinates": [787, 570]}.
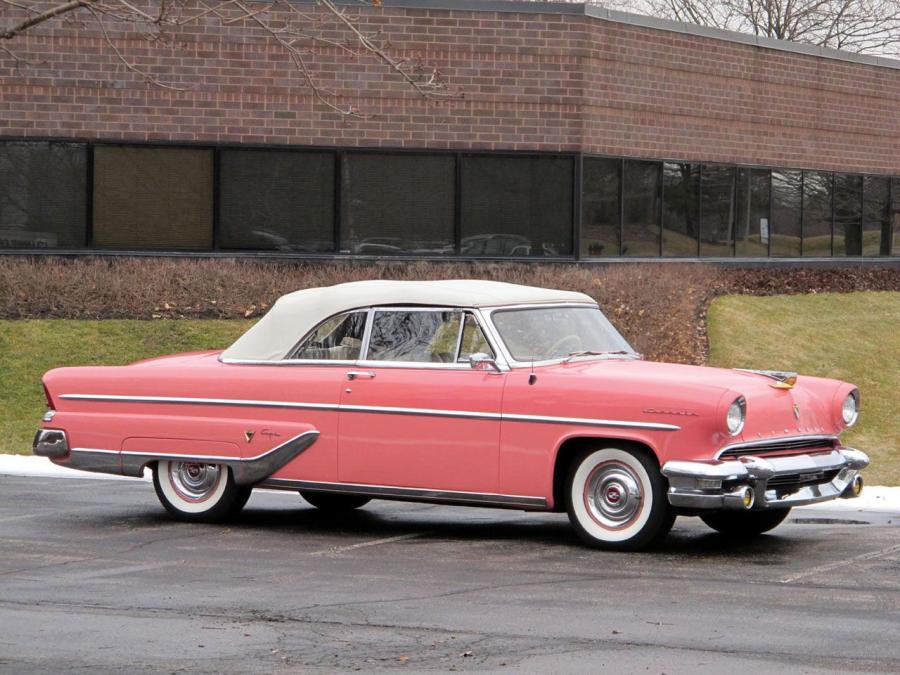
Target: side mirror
{"type": "Point", "coordinates": [480, 361]}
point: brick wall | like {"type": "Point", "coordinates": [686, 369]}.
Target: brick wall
{"type": "Point", "coordinates": [527, 81]}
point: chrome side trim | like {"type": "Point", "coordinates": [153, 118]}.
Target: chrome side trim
{"type": "Point", "coordinates": [409, 494]}
{"type": "Point", "coordinates": [386, 410]}
{"type": "Point", "coordinates": [586, 421]}
{"type": "Point", "coordinates": [246, 470]}
{"type": "Point", "coordinates": [775, 439]}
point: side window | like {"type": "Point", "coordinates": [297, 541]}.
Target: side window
{"type": "Point", "coordinates": [421, 337]}
{"type": "Point", "coordinates": [473, 341]}
{"type": "Point", "coordinates": [336, 339]}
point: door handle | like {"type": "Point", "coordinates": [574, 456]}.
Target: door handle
{"type": "Point", "coordinates": [360, 375]}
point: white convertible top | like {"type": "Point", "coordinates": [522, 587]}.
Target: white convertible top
{"type": "Point", "coordinates": [295, 314]}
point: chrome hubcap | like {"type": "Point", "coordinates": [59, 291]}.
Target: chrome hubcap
{"type": "Point", "coordinates": [613, 495]}
{"type": "Point", "coordinates": [194, 482]}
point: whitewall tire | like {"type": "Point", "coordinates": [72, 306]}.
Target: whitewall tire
{"type": "Point", "coordinates": [616, 499]}
{"type": "Point", "coordinates": [197, 491]}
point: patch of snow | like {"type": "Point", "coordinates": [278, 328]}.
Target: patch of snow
{"type": "Point", "coordinates": [41, 467]}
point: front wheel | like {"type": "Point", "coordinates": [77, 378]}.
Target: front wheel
{"type": "Point", "coordinates": [745, 523]}
{"type": "Point", "coordinates": [198, 492]}
{"type": "Point", "coordinates": [616, 499]}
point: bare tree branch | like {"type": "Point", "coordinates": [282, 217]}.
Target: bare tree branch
{"type": "Point", "coordinates": [300, 34]}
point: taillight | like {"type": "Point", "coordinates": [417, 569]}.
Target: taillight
{"type": "Point", "coordinates": [47, 395]}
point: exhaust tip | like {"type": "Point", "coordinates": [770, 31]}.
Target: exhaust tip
{"type": "Point", "coordinates": [854, 489]}
{"type": "Point", "coordinates": [748, 498]}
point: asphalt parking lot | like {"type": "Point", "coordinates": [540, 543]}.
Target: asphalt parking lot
{"type": "Point", "coordinates": [95, 578]}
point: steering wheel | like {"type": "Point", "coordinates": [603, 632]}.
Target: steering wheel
{"type": "Point", "coordinates": [556, 351]}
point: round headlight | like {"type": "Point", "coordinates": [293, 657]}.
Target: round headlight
{"type": "Point", "coordinates": [850, 409]}
{"type": "Point", "coordinates": [737, 413]}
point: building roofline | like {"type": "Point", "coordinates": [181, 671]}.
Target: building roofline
{"type": "Point", "coordinates": [615, 16]}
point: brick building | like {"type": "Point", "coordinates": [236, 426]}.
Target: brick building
{"type": "Point", "coordinates": [578, 132]}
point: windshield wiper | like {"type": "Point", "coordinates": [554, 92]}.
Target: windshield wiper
{"type": "Point", "coordinates": [588, 352]}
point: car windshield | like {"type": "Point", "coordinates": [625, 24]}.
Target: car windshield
{"type": "Point", "coordinates": [546, 333]}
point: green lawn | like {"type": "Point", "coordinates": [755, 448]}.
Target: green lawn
{"type": "Point", "coordinates": [853, 337]}
{"type": "Point", "coordinates": [30, 348]}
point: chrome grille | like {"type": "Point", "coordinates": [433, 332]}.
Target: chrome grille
{"type": "Point", "coordinates": [785, 446]}
{"type": "Point", "coordinates": [795, 481]}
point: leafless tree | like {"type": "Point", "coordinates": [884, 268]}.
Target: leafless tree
{"type": "Point", "coordinates": [864, 26]}
{"type": "Point", "coordinates": [300, 31]}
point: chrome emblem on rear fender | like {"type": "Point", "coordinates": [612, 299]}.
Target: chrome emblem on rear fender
{"type": "Point", "coordinates": [249, 435]}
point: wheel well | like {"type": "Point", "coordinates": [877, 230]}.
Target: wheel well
{"type": "Point", "coordinates": [572, 447]}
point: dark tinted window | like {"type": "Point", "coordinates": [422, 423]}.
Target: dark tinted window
{"type": "Point", "coordinates": [895, 216]}
{"type": "Point", "coordinates": [517, 206]}
{"type": "Point", "coordinates": [817, 213]}
{"type": "Point", "coordinates": [876, 216]}
{"type": "Point", "coordinates": [425, 337]}
{"type": "Point", "coordinates": [396, 204]}
{"type": "Point", "coordinates": [640, 222]}
{"type": "Point", "coordinates": [42, 195]}
{"type": "Point", "coordinates": [786, 202]}
{"type": "Point", "coordinates": [847, 215]}
{"type": "Point", "coordinates": [717, 210]}
{"type": "Point", "coordinates": [752, 212]}
{"type": "Point", "coordinates": [153, 198]}
{"type": "Point", "coordinates": [276, 200]}
{"type": "Point", "coordinates": [600, 207]}
{"type": "Point", "coordinates": [336, 339]}
{"type": "Point", "coordinates": [681, 209]}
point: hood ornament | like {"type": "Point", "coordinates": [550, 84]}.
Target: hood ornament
{"type": "Point", "coordinates": [784, 379]}
{"type": "Point", "coordinates": [796, 412]}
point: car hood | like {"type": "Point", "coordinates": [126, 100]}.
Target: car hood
{"type": "Point", "coordinates": [671, 391]}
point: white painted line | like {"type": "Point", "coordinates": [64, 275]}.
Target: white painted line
{"type": "Point", "coordinates": [812, 571]}
{"type": "Point", "coordinates": [365, 544]}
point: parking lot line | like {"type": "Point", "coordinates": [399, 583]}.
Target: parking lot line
{"type": "Point", "coordinates": [838, 564]}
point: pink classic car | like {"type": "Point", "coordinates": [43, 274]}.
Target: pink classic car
{"type": "Point", "coordinates": [460, 392]}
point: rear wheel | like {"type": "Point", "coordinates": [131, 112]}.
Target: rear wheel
{"type": "Point", "coordinates": [745, 523]}
{"type": "Point", "coordinates": [198, 492]}
{"type": "Point", "coordinates": [616, 499]}
{"type": "Point", "coordinates": [334, 503]}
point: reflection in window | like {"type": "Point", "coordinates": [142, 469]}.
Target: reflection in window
{"type": "Point", "coordinates": [397, 204]}
{"type": "Point", "coordinates": [153, 198]}
{"type": "Point", "coordinates": [786, 203]}
{"type": "Point", "coordinates": [473, 340]}
{"type": "Point", "coordinates": [752, 212]}
{"type": "Point", "coordinates": [600, 207]}
{"type": "Point", "coordinates": [640, 209]}
{"type": "Point", "coordinates": [557, 332]}
{"type": "Point", "coordinates": [423, 337]}
{"type": "Point", "coordinates": [42, 195]}
{"type": "Point", "coordinates": [876, 235]}
{"type": "Point", "coordinates": [817, 213]}
{"type": "Point", "coordinates": [895, 216]}
{"type": "Point", "coordinates": [681, 209]}
{"type": "Point", "coordinates": [847, 215]}
{"type": "Point", "coordinates": [517, 206]}
{"type": "Point", "coordinates": [276, 200]}
{"type": "Point", "coordinates": [336, 339]}
{"type": "Point", "coordinates": [717, 210]}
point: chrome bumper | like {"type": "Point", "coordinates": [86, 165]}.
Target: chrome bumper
{"type": "Point", "coordinates": [773, 482]}
{"type": "Point", "coordinates": [50, 443]}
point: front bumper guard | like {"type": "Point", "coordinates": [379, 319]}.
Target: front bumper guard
{"type": "Point", "coordinates": [725, 484]}
{"type": "Point", "coordinates": [54, 443]}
